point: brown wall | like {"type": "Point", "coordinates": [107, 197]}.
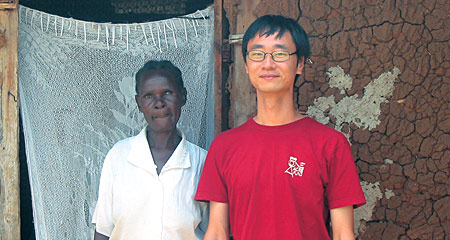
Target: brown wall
{"type": "Point", "coordinates": [406, 157]}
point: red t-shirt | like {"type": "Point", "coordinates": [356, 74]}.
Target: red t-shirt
{"type": "Point", "coordinates": [280, 181]}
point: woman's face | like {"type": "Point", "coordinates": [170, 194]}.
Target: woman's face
{"type": "Point", "coordinates": [160, 100]}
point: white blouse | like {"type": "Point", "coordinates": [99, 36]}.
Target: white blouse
{"type": "Point", "coordinates": [135, 203]}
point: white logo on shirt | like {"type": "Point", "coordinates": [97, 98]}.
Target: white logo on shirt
{"type": "Point", "coordinates": [295, 168]}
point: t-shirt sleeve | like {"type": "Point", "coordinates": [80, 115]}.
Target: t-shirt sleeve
{"type": "Point", "coordinates": [343, 188]}
{"type": "Point", "coordinates": [212, 186]}
{"type": "Point", "coordinates": [103, 214]}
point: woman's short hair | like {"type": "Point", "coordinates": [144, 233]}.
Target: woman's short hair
{"type": "Point", "coordinates": [160, 66]}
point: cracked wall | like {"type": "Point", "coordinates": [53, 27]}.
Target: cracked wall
{"type": "Point", "coordinates": [402, 152]}
{"type": "Point", "coordinates": [362, 111]}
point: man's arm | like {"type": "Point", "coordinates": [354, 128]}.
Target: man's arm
{"type": "Point", "coordinates": [342, 223]}
{"type": "Point", "coordinates": [218, 227]}
{"type": "Point", "coordinates": [99, 236]}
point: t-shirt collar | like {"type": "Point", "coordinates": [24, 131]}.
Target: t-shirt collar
{"type": "Point", "coordinates": [279, 128]}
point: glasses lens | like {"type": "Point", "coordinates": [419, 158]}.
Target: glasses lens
{"type": "Point", "coordinates": [256, 55]}
{"type": "Point", "coordinates": [280, 56]}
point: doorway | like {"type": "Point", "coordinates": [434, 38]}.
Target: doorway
{"type": "Point", "coordinates": [114, 11]}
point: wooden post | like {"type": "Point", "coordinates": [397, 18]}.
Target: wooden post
{"type": "Point", "coordinates": [9, 123]}
{"type": "Point", "coordinates": [218, 82]}
{"type": "Point", "coordinates": [242, 93]}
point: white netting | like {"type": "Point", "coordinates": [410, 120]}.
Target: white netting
{"type": "Point", "coordinates": [76, 84]}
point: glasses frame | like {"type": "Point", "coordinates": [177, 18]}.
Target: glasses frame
{"type": "Point", "coordinates": [271, 55]}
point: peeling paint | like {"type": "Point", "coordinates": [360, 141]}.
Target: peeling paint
{"type": "Point", "coordinates": [388, 193]}
{"type": "Point", "coordinates": [388, 161]}
{"type": "Point", "coordinates": [373, 194]}
{"type": "Point", "coordinates": [321, 105]}
{"type": "Point", "coordinates": [338, 79]}
{"type": "Point", "coordinates": [361, 111]}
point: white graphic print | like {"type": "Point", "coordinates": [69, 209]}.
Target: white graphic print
{"type": "Point", "coordinates": [295, 168]}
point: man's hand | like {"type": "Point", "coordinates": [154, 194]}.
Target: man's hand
{"type": "Point", "coordinates": [218, 228]}
{"type": "Point", "coordinates": [342, 223]}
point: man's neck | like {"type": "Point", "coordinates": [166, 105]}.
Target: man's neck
{"type": "Point", "coordinates": [276, 110]}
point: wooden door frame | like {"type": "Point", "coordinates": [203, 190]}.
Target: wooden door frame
{"type": "Point", "coordinates": [218, 43]}
{"type": "Point", "coordinates": [235, 98]}
{"type": "Point", "coordinates": [9, 123]}
{"type": "Point", "coordinates": [221, 62]}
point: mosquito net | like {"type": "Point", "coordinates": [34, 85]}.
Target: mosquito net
{"type": "Point", "coordinates": [76, 82]}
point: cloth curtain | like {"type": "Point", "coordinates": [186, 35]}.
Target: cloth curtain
{"type": "Point", "coordinates": [76, 85]}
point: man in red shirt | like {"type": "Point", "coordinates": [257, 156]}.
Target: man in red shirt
{"type": "Point", "coordinates": [280, 175]}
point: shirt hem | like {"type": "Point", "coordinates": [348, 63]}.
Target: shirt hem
{"type": "Point", "coordinates": [210, 197]}
{"type": "Point", "coordinates": [356, 202]}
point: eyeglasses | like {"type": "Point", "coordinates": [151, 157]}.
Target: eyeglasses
{"type": "Point", "coordinates": [277, 56]}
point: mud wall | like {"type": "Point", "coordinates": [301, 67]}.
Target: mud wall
{"type": "Point", "coordinates": [406, 156]}
{"type": "Point", "coordinates": [380, 74]}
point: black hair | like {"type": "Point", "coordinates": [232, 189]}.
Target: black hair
{"type": "Point", "coordinates": [163, 66]}
{"type": "Point", "coordinates": [275, 24]}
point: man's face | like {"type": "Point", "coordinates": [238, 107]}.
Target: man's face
{"type": "Point", "coordinates": [160, 100]}
{"type": "Point", "coordinates": [269, 76]}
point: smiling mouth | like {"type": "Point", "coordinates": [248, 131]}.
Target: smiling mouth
{"type": "Point", "coordinates": [268, 77]}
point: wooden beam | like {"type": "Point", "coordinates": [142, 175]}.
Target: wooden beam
{"type": "Point", "coordinates": [8, 4]}
{"type": "Point", "coordinates": [218, 88]}
{"type": "Point", "coordinates": [242, 93]}
{"type": "Point", "coordinates": [9, 123]}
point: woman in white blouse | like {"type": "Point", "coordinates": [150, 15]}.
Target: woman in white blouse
{"type": "Point", "coordinates": [148, 181]}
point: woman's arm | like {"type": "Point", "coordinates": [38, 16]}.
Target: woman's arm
{"type": "Point", "coordinates": [203, 225]}
{"type": "Point", "coordinates": [342, 223]}
{"type": "Point", "coordinates": [218, 228]}
{"type": "Point", "coordinates": [99, 236]}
